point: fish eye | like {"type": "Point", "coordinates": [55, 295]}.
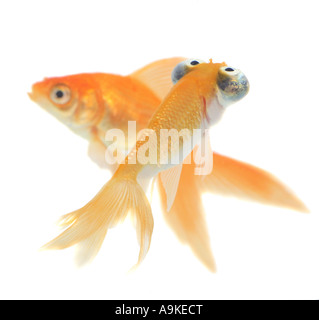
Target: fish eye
{"type": "Point", "coordinates": [230, 71]}
{"type": "Point", "coordinates": [193, 62]}
{"type": "Point", "coordinates": [183, 68]}
{"type": "Point", "coordinates": [232, 85]}
{"type": "Point", "coordinates": [60, 94]}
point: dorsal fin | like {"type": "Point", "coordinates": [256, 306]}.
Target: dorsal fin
{"type": "Point", "coordinates": [157, 75]}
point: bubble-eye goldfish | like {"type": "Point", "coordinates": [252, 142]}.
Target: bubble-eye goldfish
{"type": "Point", "coordinates": [90, 104]}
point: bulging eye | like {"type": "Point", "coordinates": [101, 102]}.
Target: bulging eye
{"type": "Point", "coordinates": [183, 68]}
{"type": "Point", "coordinates": [193, 62]}
{"type": "Point", "coordinates": [232, 85]}
{"type": "Point", "coordinates": [229, 71]}
{"type": "Point", "coordinates": [60, 94]}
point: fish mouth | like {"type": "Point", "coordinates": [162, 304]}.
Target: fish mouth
{"type": "Point", "coordinates": [35, 92]}
{"type": "Point", "coordinates": [32, 92]}
{"type": "Point", "coordinates": [31, 95]}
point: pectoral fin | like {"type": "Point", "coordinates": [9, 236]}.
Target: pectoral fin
{"type": "Point", "coordinates": [100, 155]}
{"type": "Point", "coordinates": [170, 180]}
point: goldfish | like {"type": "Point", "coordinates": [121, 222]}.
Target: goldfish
{"type": "Point", "coordinates": [91, 104]}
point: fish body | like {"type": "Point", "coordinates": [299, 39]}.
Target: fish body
{"type": "Point", "coordinates": [183, 108]}
{"type": "Point", "coordinates": [99, 102]}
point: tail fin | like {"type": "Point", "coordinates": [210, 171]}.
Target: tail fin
{"type": "Point", "coordinates": [230, 178]}
{"type": "Point", "coordinates": [88, 226]}
{"type": "Point", "coordinates": [239, 179]}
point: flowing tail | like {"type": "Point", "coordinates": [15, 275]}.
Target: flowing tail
{"type": "Point", "coordinates": [238, 179]}
{"type": "Point", "coordinates": [88, 226]}
{"type": "Point", "coordinates": [230, 178]}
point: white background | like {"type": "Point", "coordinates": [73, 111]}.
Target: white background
{"type": "Point", "coordinates": [261, 251]}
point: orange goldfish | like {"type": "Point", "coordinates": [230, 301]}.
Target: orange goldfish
{"type": "Point", "coordinates": [90, 104]}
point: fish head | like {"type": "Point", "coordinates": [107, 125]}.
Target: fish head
{"type": "Point", "coordinates": [72, 99]}
{"type": "Point", "coordinates": [232, 85]}
{"type": "Point", "coordinates": [215, 80]}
